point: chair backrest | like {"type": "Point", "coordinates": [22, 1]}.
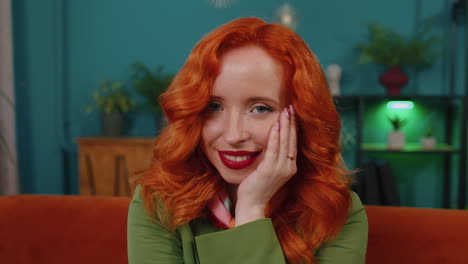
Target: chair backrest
{"type": "Point", "coordinates": [417, 235]}
{"type": "Point", "coordinates": [63, 229]}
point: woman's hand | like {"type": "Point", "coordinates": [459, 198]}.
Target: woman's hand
{"type": "Point", "coordinates": [278, 166]}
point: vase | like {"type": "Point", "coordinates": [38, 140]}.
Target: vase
{"type": "Point", "coordinates": [396, 140]}
{"type": "Point", "coordinates": [112, 124]}
{"type": "Point", "coordinates": [394, 79]}
{"type": "Point", "coordinates": [428, 143]}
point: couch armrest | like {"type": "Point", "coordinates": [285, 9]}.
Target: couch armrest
{"type": "Point", "coordinates": [417, 235]}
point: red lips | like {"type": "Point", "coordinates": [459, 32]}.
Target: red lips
{"type": "Point", "coordinates": [237, 165]}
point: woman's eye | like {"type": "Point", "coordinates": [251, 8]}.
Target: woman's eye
{"type": "Point", "coordinates": [262, 109]}
{"type": "Point", "coordinates": [214, 107]}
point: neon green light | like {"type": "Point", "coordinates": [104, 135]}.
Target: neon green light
{"type": "Point", "coordinates": [400, 105]}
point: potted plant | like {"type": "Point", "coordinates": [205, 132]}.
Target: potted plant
{"type": "Point", "coordinates": [428, 141]}
{"type": "Point", "coordinates": [150, 85]}
{"type": "Point", "coordinates": [113, 102]}
{"type": "Point", "coordinates": [393, 51]}
{"type": "Point", "coordinates": [396, 138]}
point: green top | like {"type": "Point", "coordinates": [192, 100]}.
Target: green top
{"type": "Point", "coordinates": [254, 242]}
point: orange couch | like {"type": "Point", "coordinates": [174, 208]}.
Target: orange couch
{"type": "Point", "coordinates": [82, 229]}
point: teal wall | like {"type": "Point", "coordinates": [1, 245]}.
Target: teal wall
{"type": "Point", "coordinates": [63, 49]}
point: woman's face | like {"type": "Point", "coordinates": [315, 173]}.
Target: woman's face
{"type": "Point", "coordinates": [246, 102]}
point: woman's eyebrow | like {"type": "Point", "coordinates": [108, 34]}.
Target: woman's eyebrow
{"type": "Point", "coordinates": [262, 99]}
{"type": "Point", "coordinates": [250, 100]}
{"type": "Point", "coordinates": [216, 98]}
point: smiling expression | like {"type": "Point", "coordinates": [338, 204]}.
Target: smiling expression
{"type": "Point", "coordinates": [246, 102]}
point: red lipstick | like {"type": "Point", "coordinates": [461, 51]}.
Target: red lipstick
{"type": "Point", "coordinates": [237, 165]}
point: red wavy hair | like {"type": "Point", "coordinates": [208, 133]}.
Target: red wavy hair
{"type": "Point", "coordinates": [313, 206]}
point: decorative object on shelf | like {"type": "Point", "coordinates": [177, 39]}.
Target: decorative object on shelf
{"type": "Point", "coordinates": [390, 49]}
{"type": "Point", "coordinates": [396, 138]}
{"type": "Point", "coordinates": [428, 141]}
{"type": "Point", "coordinates": [333, 73]}
{"type": "Point", "coordinates": [394, 79]}
{"type": "Point", "coordinates": [150, 85]}
{"type": "Point", "coordinates": [113, 102]}
{"type": "Point", "coordinates": [286, 16]}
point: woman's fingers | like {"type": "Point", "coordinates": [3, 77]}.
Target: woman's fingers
{"type": "Point", "coordinates": [292, 133]}
{"type": "Point", "coordinates": [281, 147]}
{"type": "Point", "coordinates": [285, 121]}
{"type": "Point", "coordinates": [271, 153]}
{"type": "Point", "coordinates": [293, 140]}
{"type": "Point", "coordinates": [276, 168]}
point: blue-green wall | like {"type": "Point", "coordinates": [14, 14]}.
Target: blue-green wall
{"type": "Point", "coordinates": [63, 49]}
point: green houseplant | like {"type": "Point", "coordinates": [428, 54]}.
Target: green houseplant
{"type": "Point", "coordinates": [386, 47]}
{"type": "Point", "coordinates": [112, 100]}
{"type": "Point", "coordinates": [150, 85]}
{"type": "Point", "coordinates": [396, 138]}
{"type": "Point", "coordinates": [428, 140]}
{"type": "Point", "coordinates": [397, 122]}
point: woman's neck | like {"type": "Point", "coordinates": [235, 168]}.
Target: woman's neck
{"type": "Point", "coordinates": [232, 193]}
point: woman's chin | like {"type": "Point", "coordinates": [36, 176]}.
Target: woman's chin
{"type": "Point", "coordinates": [236, 180]}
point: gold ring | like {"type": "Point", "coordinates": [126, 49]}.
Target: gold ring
{"type": "Point", "coordinates": [291, 157]}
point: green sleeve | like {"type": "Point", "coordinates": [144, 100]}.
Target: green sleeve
{"type": "Point", "coordinates": [147, 241]}
{"type": "Point", "coordinates": [254, 242]}
{"type": "Point", "coordinates": [351, 243]}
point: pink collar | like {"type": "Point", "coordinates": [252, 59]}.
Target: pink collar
{"type": "Point", "coordinates": [219, 213]}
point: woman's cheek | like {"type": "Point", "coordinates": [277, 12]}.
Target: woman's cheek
{"type": "Point", "coordinates": [261, 130]}
{"type": "Point", "coordinates": [210, 130]}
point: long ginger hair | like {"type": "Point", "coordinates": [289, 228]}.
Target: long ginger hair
{"type": "Point", "coordinates": [307, 211]}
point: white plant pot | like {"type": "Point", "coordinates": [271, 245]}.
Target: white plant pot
{"type": "Point", "coordinates": [428, 142]}
{"type": "Point", "coordinates": [396, 140]}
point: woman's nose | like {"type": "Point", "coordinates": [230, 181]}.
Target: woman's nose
{"type": "Point", "coordinates": [235, 131]}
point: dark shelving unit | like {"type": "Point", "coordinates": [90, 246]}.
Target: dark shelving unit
{"type": "Point", "coordinates": [459, 16]}
{"type": "Point", "coordinates": [446, 148]}
{"type": "Point", "coordinates": [450, 103]}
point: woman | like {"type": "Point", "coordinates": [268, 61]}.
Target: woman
{"type": "Point", "coordinates": [249, 168]}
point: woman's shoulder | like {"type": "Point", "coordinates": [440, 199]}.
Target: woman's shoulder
{"type": "Point", "coordinates": [356, 203]}
{"type": "Point", "coordinates": [357, 209]}
{"type": "Point", "coordinates": [137, 194]}
{"type": "Point", "coordinates": [142, 207]}
{"type": "Point", "coordinates": [138, 198]}
{"type": "Point", "coordinates": [138, 205]}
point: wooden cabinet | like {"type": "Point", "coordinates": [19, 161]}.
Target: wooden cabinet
{"type": "Point", "coordinates": [105, 164]}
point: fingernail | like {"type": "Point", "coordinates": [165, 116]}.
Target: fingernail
{"type": "Point", "coordinates": [286, 112]}
{"type": "Point", "coordinates": [292, 110]}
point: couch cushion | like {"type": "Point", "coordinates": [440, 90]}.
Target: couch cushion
{"type": "Point", "coordinates": [63, 229]}
{"type": "Point", "coordinates": [84, 229]}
